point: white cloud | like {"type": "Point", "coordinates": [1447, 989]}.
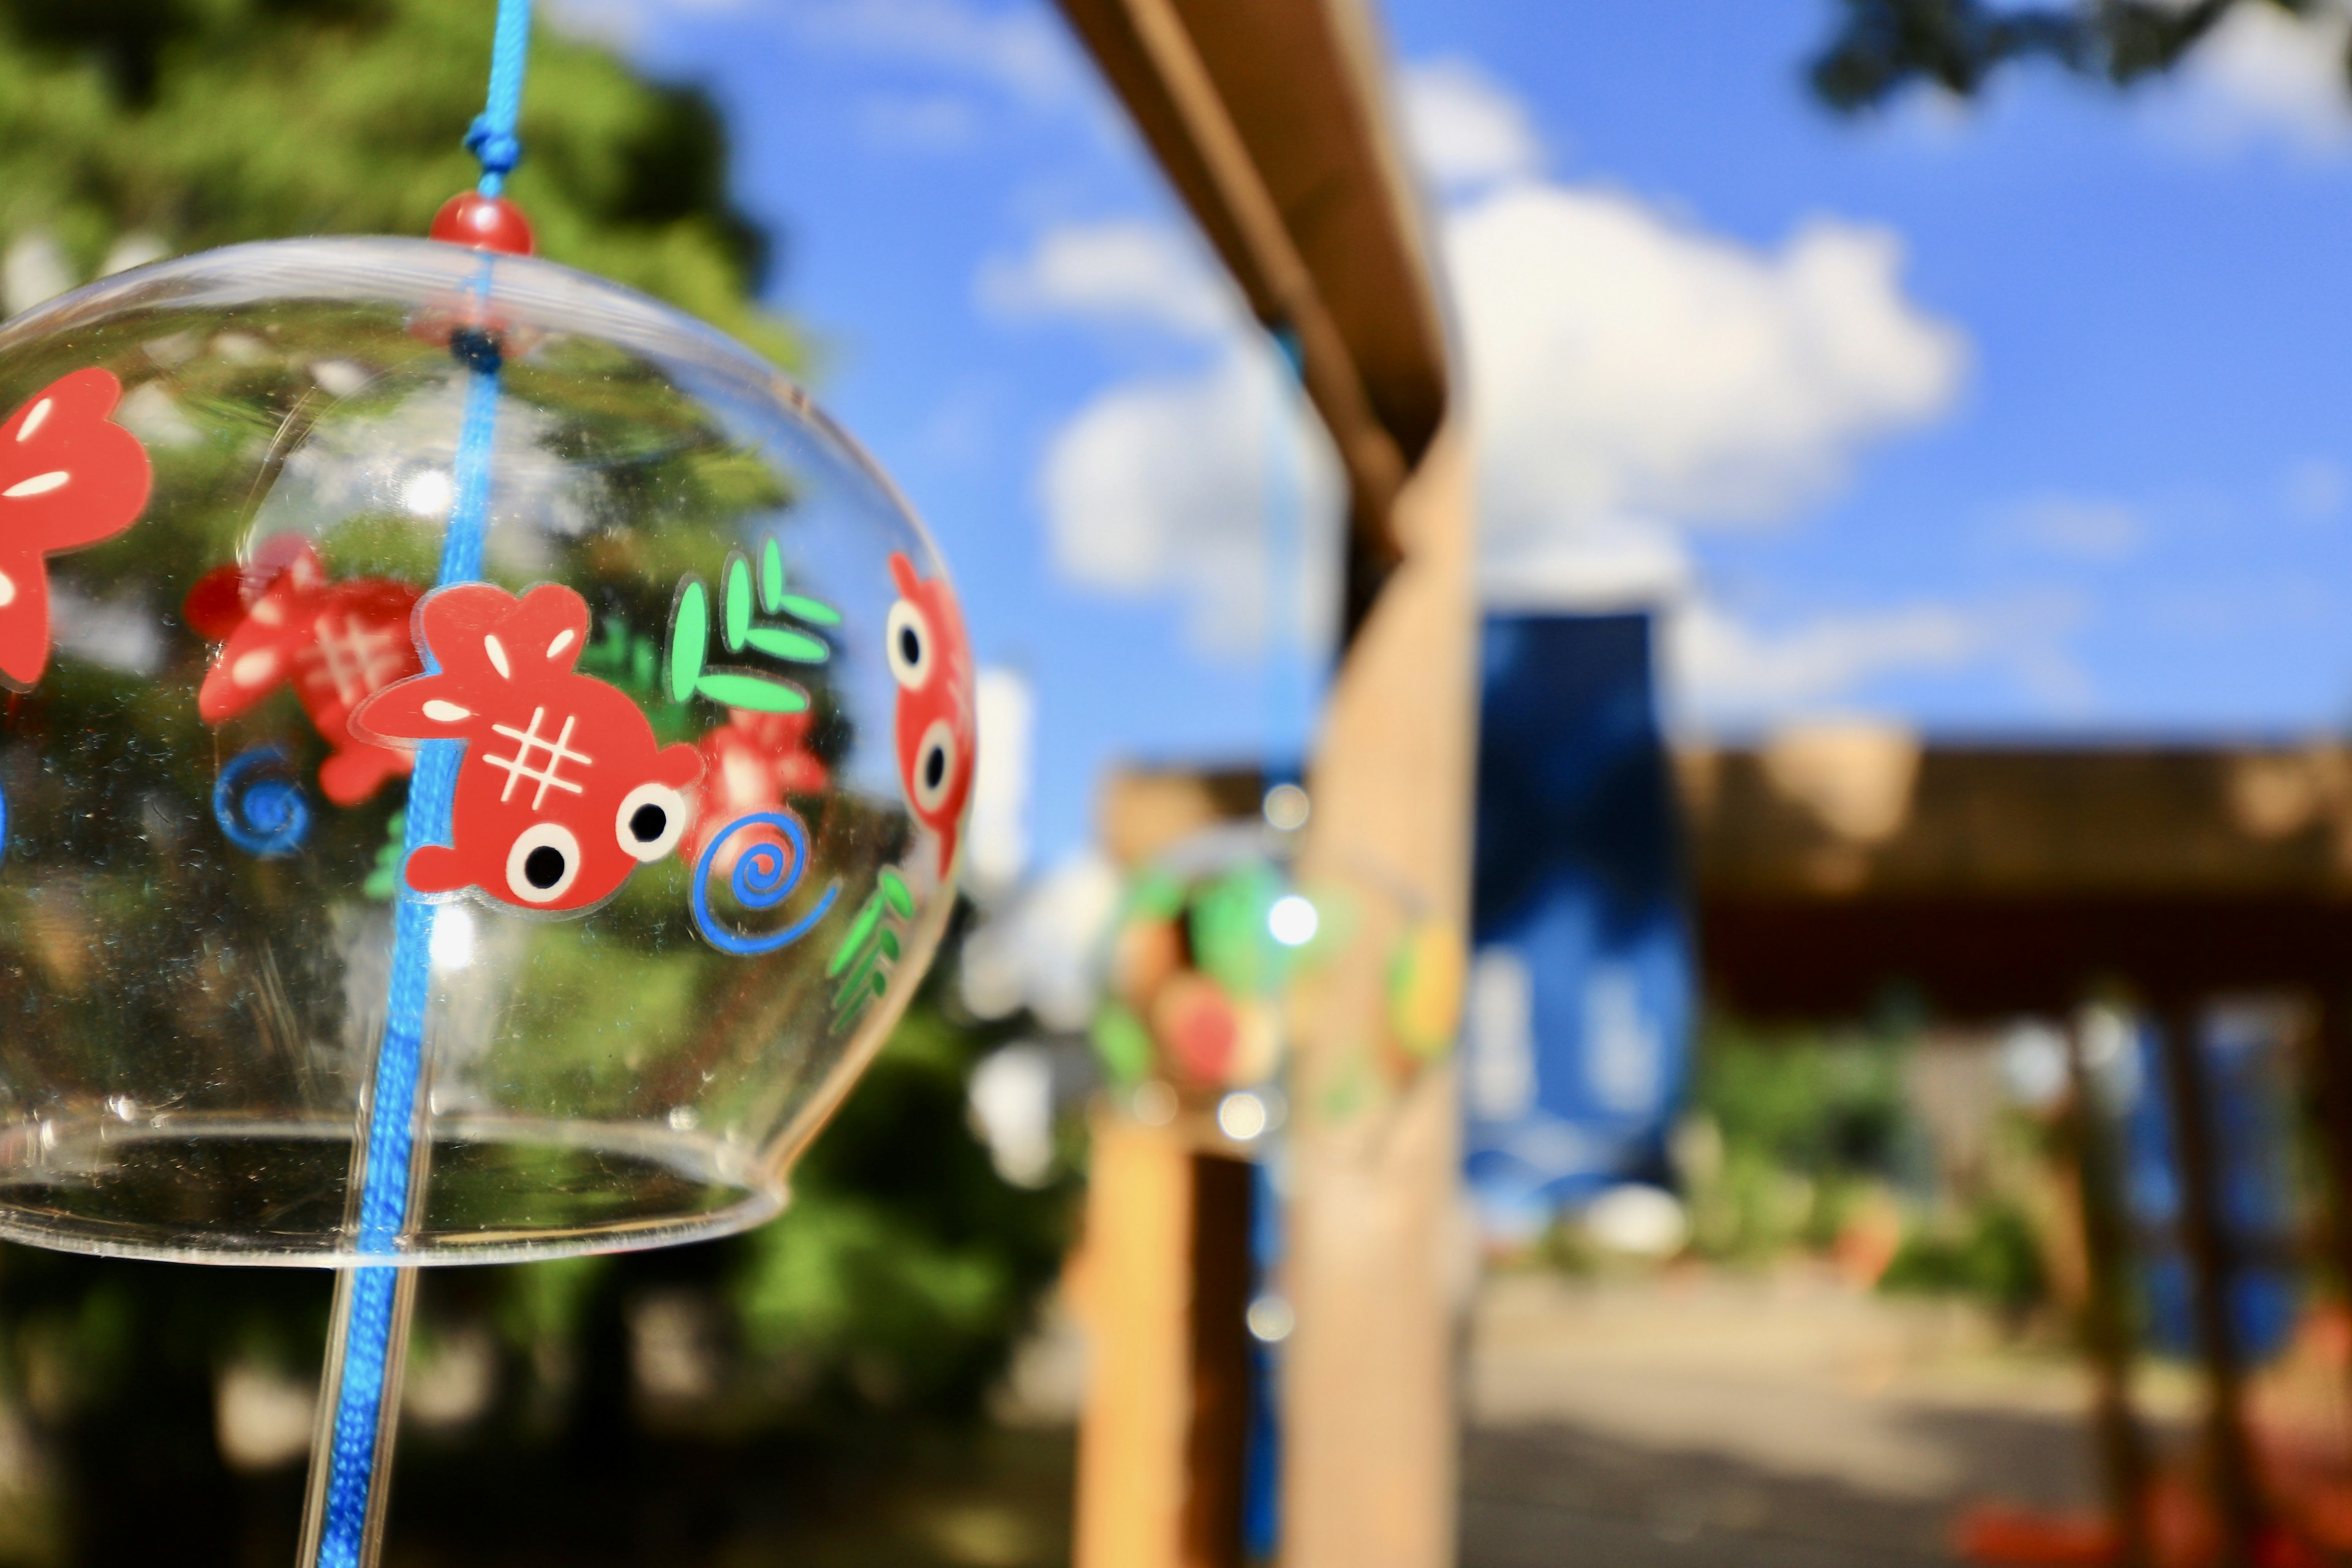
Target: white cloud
{"type": "Point", "coordinates": [2082, 528]}
{"type": "Point", "coordinates": [2265, 75]}
{"type": "Point", "coordinates": [1464, 127]}
{"type": "Point", "coordinates": [1217, 485]}
{"type": "Point", "coordinates": [1721, 667]}
{"type": "Point", "coordinates": [1630, 378]}
{"type": "Point", "coordinates": [1622, 364]}
{"type": "Point", "coordinates": [1123, 271]}
{"type": "Point", "coordinates": [1007, 715]}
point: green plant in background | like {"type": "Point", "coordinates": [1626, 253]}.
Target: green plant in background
{"type": "Point", "coordinates": [1989, 1253]}
{"type": "Point", "coordinates": [1797, 1137]}
{"type": "Point", "coordinates": [134, 127]}
{"type": "Point", "coordinates": [1789, 1131]}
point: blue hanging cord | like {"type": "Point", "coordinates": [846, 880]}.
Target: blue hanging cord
{"type": "Point", "coordinates": [492, 136]}
{"type": "Point", "coordinates": [363, 1384]}
{"type": "Point", "coordinates": [1289, 667]}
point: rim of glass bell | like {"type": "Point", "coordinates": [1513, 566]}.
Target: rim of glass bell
{"type": "Point", "coordinates": [332, 266]}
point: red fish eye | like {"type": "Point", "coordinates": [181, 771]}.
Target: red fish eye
{"type": "Point", "coordinates": [935, 765]}
{"type": "Point", "coordinates": [650, 822]}
{"type": "Point", "coordinates": [907, 638]}
{"type": "Point", "coordinates": [543, 863]}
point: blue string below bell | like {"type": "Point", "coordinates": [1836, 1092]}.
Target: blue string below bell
{"type": "Point", "coordinates": [371, 1307]}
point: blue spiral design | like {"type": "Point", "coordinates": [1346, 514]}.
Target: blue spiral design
{"type": "Point", "coordinates": [761, 880]}
{"type": "Point", "coordinates": [262, 815]}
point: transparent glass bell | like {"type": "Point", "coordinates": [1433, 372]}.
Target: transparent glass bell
{"type": "Point", "coordinates": [715, 709]}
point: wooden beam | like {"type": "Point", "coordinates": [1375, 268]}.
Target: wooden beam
{"type": "Point", "coordinates": [1217, 139]}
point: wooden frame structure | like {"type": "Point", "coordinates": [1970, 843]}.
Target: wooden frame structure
{"type": "Point", "coordinates": [1272, 121]}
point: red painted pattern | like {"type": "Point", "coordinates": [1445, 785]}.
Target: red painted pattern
{"type": "Point", "coordinates": [931, 662]}
{"type": "Point", "coordinates": [750, 764]}
{"type": "Point", "coordinates": [564, 790]}
{"type": "Point", "coordinates": [69, 478]}
{"type": "Point", "coordinates": [279, 620]}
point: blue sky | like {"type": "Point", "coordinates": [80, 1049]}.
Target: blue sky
{"type": "Point", "coordinates": [2029, 418]}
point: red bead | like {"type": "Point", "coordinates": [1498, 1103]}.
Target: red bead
{"type": "Point", "coordinates": [485, 223]}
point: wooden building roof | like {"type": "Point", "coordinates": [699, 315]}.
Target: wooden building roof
{"type": "Point", "coordinates": [1832, 869]}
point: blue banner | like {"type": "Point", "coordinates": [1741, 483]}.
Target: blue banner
{"type": "Point", "coordinates": [1577, 1037]}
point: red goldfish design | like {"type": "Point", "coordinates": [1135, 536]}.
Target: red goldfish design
{"type": "Point", "coordinates": [932, 664]}
{"type": "Point", "coordinates": [750, 765]}
{"type": "Point", "coordinates": [564, 790]}
{"type": "Point", "coordinates": [68, 478]}
{"type": "Point", "coordinates": [340, 643]}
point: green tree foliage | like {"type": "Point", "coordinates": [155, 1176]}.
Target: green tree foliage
{"type": "Point", "coordinates": [201, 122]}
{"type": "Point", "coordinates": [1880, 46]}
{"type": "Point", "coordinates": [1799, 1125]}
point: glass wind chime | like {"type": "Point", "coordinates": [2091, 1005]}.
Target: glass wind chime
{"type": "Point", "coordinates": [480, 773]}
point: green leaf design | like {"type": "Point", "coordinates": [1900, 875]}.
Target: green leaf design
{"type": "Point", "coordinates": [855, 939]}
{"type": "Point", "coordinates": [798, 646]}
{"type": "Point", "coordinates": [815, 612]}
{"type": "Point", "coordinates": [689, 638]}
{"type": "Point", "coordinates": [735, 582]}
{"type": "Point", "coordinates": [893, 889]}
{"type": "Point", "coordinates": [761, 693]}
{"type": "Point", "coordinates": [771, 574]}
{"type": "Point", "coordinates": [852, 996]}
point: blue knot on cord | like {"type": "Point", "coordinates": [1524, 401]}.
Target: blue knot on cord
{"type": "Point", "coordinates": [499, 151]}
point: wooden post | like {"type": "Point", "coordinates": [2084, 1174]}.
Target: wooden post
{"type": "Point", "coordinates": [1368, 1396]}
{"type": "Point", "coordinates": [1162, 1289]}
{"type": "Point", "coordinates": [1217, 1443]}
{"type": "Point", "coordinates": [1132, 1286]}
{"type": "Point", "coordinates": [2107, 1326]}
{"type": "Point", "coordinates": [2207, 1248]}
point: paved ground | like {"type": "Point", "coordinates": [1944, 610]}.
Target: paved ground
{"type": "Point", "coordinates": [1690, 1421]}
{"type": "Point", "coordinates": [1788, 1423]}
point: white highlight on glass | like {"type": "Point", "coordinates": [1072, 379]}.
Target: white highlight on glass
{"type": "Point", "coordinates": [1292, 921]}
{"type": "Point", "coordinates": [1270, 1320]}
{"type": "Point", "coordinates": [426, 493]}
{"type": "Point", "coordinates": [453, 937]}
{"type": "Point", "coordinates": [1242, 1116]}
